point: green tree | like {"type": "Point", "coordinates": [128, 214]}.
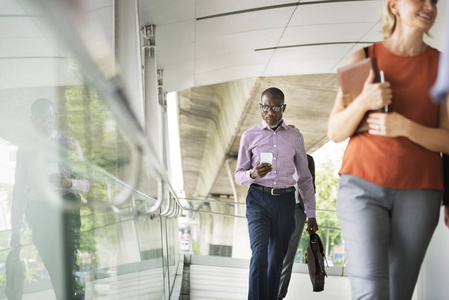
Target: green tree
{"type": "Point", "coordinates": [84, 117]}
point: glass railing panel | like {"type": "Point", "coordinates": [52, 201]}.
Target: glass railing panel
{"type": "Point", "coordinates": [202, 214]}
{"type": "Point", "coordinates": [113, 243]}
{"type": "Point", "coordinates": [173, 249]}
{"type": "Point", "coordinates": [209, 205]}
{"type": "Point", "coordinates": [207, 225]}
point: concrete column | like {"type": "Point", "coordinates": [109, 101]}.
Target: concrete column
{"type": "Point", "coordinates": [206, 223]}
{"type": "Point", "coordinates": [127, 47]}
{"type": "Point", "coordinates": [229, 108]}
{"type": "Point", "coordinates": [128, 53]}
{"type": "Point", "coordinates": [154, 95]}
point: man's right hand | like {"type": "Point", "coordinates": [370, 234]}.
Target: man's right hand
{"type": "Point", "coordinates": [260, 170]}
{"type": "Point", "coordinates": [15, 240]}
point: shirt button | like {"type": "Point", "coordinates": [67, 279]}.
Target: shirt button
{"type": "Point", "coordinates": [275, 182]}
{"type": "Point", "coordinates": [274, 145]}
{"type": "Point", "coordinates": [274, 132]}
{"type": "Point", "coordinates": [274, 172]}
{"type": "Point", "coordinates": [275, 158]}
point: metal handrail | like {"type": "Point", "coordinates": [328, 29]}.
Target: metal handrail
{"type": "Point", "coordinates": [168, 209]}
{"type": "Point", "coordinates": [212, 201]}
{"type": "Point", "coordinates": [134, 211]}
{"type": "Point", "coordinates": [159, 201]}
{"type": "Point", "coordinates": [175, 210]}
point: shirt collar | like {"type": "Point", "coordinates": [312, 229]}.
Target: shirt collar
{"type": "Point", "coordinates": [263, 125]}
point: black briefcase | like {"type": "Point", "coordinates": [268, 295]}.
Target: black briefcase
{"type": "Point", "coordinates": [315, 262]}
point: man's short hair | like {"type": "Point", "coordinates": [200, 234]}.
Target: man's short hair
{"type": "Point", "coordinates": [40, 103]}
{"type": "Point", "coordinates": [274, 90]}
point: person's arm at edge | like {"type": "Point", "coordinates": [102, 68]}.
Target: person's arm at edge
{"type": "Point", "coordinates": [242, 174]}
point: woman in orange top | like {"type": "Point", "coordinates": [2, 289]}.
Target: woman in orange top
{"type": "Point", "coordinates": [391, 182]}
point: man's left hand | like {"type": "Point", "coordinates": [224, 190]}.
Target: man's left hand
{"type": "Point", "coordinates": [312, 226]}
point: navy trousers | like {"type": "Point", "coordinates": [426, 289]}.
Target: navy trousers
{"type": "Point", "coordinates": [271, 222]}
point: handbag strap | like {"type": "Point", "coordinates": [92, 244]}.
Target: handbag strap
{"type": "Point", "coordinates": [366, 51]}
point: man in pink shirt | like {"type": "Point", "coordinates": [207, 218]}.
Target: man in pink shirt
{"type": "Point", "coordinates": [270, 203]}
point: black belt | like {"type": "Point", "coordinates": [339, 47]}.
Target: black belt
{"type": "Point", "coordinates": [273, 191]}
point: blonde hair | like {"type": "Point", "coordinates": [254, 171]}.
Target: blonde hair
{"type": "Point", "coordinates": [389, 21]}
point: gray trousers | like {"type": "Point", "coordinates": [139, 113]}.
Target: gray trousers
{"type": "Point", "coordinates": [289, 259]}
{"type": "Point", "coordinates": [386, 233]}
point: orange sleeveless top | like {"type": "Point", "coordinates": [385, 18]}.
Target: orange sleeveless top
{"type": "Point", "coordinates": [398, 162]}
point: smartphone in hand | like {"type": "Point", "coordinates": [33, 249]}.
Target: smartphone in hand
{"type": "Point", "coordinates": [266, 158]}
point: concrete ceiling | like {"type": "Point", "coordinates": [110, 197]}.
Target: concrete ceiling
{"type": "Point", "coordinates": [213, 53]}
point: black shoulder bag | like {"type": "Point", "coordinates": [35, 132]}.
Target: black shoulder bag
{"type": "Point", "coordinates": [315, 262]}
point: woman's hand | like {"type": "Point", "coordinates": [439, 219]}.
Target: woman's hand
{"type": "Point", "coordinates": [391, 124]}
{"type": "Point", "coordinates": [344, 120]}
{"type": "Point", "coordinates": [375, 96]}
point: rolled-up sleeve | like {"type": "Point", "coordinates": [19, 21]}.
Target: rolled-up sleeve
{"type": "Point", "coordinates": [243, 168]}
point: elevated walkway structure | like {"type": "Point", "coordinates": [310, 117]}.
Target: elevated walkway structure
{"type": "Point", "coordinates": [107, 66]}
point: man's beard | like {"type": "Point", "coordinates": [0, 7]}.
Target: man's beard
{"type": "Point", "coordinates": [276, 125]}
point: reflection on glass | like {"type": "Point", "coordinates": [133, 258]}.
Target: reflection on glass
{"type": "Point", "coordinates": [38, 179]}
{"type": "Point", "coordinates": [108, 252]}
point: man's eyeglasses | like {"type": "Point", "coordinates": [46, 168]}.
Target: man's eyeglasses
{"type": "Point", "coordinates": [273, 108]}
{"type": "Point", "coordinates": [42, 119]}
